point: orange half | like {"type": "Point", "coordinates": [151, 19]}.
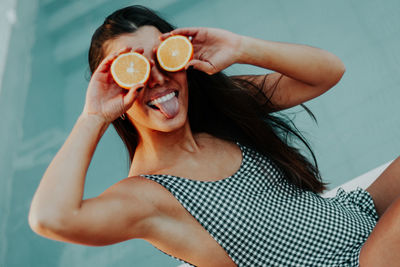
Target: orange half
{"type": "Point", "coordinates": [174, 53]}
{"type": "Point", "coordinates": [129, 69]}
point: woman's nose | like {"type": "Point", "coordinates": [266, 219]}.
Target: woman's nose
{"type": "Point", "coordinates": [157, 77]}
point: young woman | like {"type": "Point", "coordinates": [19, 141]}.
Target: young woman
{"type": "Point", "coordinates": [214, 179]}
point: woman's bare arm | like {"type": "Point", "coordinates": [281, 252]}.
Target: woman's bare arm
{"type": "Point", "coordinates": [301, 72]}
{"type": "Point", "coordinates": [60, 191]}
{"type": "Point", "coordinates": [58, 210]}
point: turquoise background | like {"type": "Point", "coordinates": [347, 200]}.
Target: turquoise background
{"type": "Point", "coordinates": [45, 79]}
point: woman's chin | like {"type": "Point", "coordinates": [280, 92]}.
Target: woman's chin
{"type": "Point", "coordinates": [172, 125]}
{"type": "Point", "coordinates": [169, 124]}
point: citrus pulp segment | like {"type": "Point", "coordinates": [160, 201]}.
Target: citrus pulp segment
{"type": "Point", "coordinates": [129, 69]}
{"type": "Point", "coordinates": [174, 53]}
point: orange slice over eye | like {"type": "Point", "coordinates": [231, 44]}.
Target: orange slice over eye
{"type": "Point", "coordinates": [174, 53]}
{"type": "Point", "coordinates": [129, 69]}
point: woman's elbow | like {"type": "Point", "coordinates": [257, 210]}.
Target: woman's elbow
{"type": "Point", "coordinates": [338, 69]}
{"type": "Point", "coordinates": [45, 224]}
{"type": "Point", "coordinates": [334, 73]}
{"type": "Point", "coordinates": [341, 69]}
{"type": "Point", "coordinates": [40, 227]}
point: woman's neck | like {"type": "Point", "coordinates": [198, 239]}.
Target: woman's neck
{"type": "Point", "coordinates": [160, 150]}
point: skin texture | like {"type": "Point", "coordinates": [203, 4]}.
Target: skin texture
{"type": "Point", "coordinates": [139, 208]}
{"type": "Point", "coordinates": [383, 245]}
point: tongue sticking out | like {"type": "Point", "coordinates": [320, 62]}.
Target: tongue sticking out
{"type": "Point", "coordinates": [169, 108]}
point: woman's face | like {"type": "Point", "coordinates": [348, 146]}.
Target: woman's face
{"type": "Point", "coordinates": [162, 104]}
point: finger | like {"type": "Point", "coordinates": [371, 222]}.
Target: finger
{"type": "Point", "coordinates": [189, 31]}
{"type": "Point", "coordinates": [133, 94]}
{"type": "Point", "coordinates": [152, 63]}
{"type": "Point", "coordinates": [201, 65]}
{"type": "Point", "coordinates": [107, 61]}
{"type": "Point", "coordinates": [125, 50]}
{"type": "Point", "coordinates": [139, 50]}
{"type": "Point", "coordinates": [164, 36]}
{"type": "Point", "coordinates": [105, 64]}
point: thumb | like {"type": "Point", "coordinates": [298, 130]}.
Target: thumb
{"type": "Point", "coordinates": [132, 95]}
{"type": "Point", "coordinates": [202, 66]}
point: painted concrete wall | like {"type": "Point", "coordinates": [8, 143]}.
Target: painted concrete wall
{"type": "Point", "coordinates": [8, 18]}
{"type": "Point", "coordinates": [45, 79]}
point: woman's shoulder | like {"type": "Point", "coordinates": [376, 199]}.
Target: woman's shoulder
{"type": "Point", "coordinates": [214, 142]}
{"type": "Point", "coordinates": [147, 192]}
{"type": "Point", "coordinates": [161, 205]}
{"type": "Point", "coordinates": [136, 185]}
{"type": "Point", "coordinates": [219, 146]}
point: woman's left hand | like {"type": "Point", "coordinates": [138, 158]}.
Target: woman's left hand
{"type": "Point", "coordinates": [214, 49]}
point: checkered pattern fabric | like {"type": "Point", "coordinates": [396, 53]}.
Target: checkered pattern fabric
{"type": "Point", "coordinates": [260, 219]}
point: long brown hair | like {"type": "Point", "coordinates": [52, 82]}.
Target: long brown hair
{"type": "Point", "coordinates": [237, 109]}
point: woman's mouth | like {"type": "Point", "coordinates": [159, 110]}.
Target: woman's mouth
{"type": "Point", "coordinates": [167, 104]}
{"type": "Point", "coordinates": [155, 103]}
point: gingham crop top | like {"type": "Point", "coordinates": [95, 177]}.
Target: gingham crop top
{"type": "Point", "coordinates": [261, 219]}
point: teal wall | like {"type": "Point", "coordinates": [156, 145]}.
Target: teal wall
{"type": "Point", "coordinates": [44, 85]}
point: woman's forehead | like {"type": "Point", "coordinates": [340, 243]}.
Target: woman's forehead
{"type": "Point", "coordinates": [146, 37]}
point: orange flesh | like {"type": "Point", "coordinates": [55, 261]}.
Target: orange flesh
{"type": "Point", "coordinates": [174, 53]}
{"type": "Point", "coordinates": [129, 69]}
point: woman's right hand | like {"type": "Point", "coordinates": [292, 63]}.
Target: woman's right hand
{"type": "Point", "coordinates": [104, 98]}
